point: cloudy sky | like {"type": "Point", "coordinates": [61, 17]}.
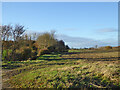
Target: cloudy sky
{"type": "Point", "coordinates": [80, 24]}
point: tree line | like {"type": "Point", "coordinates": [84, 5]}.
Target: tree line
{"type": "Point", "coordinates": [18, 45]}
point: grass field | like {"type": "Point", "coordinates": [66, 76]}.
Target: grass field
{"type": "Point", "coordinates": [75, 69]}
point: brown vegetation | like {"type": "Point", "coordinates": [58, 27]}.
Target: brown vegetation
{"type": "Point", "coordinates": [20, 46]}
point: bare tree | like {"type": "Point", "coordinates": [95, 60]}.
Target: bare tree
{"type": "Point", "coordinates": [35, 36]}
{"type": "Point", "coordinates": [6, 32]}
{"type": "Point", "coordinates": [5, 36]}
{"type": "Point", "coordinates": [45, 40]}
{"type": "Point", "coordinates": [17, 33]}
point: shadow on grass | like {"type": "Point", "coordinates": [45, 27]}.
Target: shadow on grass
{"type": "Point", "coordinates": [10, 66]}
{"type": "Point", "coordinates": [96, 59]}
{"type": "Point", "coordinates": [14, 65]}
{"type": "Point", "coordinates": [52, 59]}
{"type": "Point", "coordinates": [96, 51]}
{"type": "Point", "coordinates": [89, 59]}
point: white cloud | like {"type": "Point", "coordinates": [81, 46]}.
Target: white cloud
{"type": "Point", "coordinates": [105, 30]}
{"type": "Point", "coordinates": [81, 42]}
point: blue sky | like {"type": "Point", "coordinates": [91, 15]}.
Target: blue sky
{"type": "Point", "coordinates": [80, 24]}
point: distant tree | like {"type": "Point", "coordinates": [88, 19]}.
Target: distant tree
{"type": "Point", "coordinates": [91, 48]}
{"type": "Point", "coordinates": [67, 47]}
{"type": "Point", "coordinates": [59, 47]}
{"type": "Point", "coordinates": [85, 48]}
{"type": "Point", "coordinates": [5, 35]}
{"type": "Point", "coordinates": [96, 46]}
{"type": "Point", "coordinates": [108, 47]}
{"type": "Point", "coordinates": [17, 32]}
{"type": "Point", "coordinates": [20, 46]}
{"type": "Point", "coordinates": [6, 32]}
{"type": "Point", "coordinates": [34, 36]}
{"type": "Point", "coordinates": [11, 36]}
{"type": "Point", "coordinates": [46, 40]}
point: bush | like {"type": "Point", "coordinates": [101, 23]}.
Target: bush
{"type": "Point", "coordinates": [23, 53]}
{"type": "Point", "coordinates": [43, 51]}
{"type": "Point", "coordinates": [59, 47]}
{"type": "Point", "coordinates": [51, 48]}
{"type": "Point", "coordinates": [33, 55]}
{"type": "Point", "coordinates": [67, 47]}
{"type": "Point", "coordinates": [6, 54]}
{"type": "Point", "coordinates": [18, 57]}
{"type": "Point", "coordinates": [26, 53]}
{"type": "Point", "coordinates": [108, 47]}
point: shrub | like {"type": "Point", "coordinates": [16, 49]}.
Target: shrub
{"type": "Point", "coordinates": [23, 53]}
{"type": "Point", "coordinates": [43, 51]}
{"type": "Point", "coordinates": [18, 57]}
{"type": "Point", "coordinates": [67, 47]}
{"type": "Point", "coordinates": [59, 47]}
{"type": "Point", "coordinates": [33, 54]}
{"type": "Point", "coordinates": [4, 55]}
{"type": "Point", "coordinates": [91, 48]}
{"type": "Point", "coordinates": [108, 47]}
{"type": "Point", "coordinates": [26, 53]}
{"type": "Point", "coordinates": [51, 48]}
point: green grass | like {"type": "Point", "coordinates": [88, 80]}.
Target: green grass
{"type": "Point", "coordinates": [63, 71]}
{"type": "Point", "coordinates": [49, 57]}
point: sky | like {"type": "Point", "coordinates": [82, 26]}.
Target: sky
{"type": "Point", "coordinates": [79, 24]}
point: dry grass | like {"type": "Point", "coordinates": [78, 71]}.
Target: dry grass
{"type": "Point", "coordinates": [92, 55]}
{"type": "Point", "coordinates": [98, 70]}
